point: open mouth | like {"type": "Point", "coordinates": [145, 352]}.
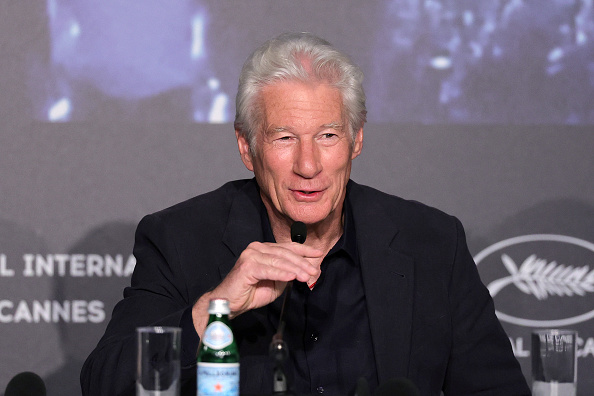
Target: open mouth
{"type": "Point", "coordinates": [307, 193]}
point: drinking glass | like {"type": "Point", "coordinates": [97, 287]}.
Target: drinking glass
{"type": "Point", "coordinates": [158, 362]}
{"type": "Point", "coordinates": [554, 362]}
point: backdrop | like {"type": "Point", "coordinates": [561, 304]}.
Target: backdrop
{"type": "Point", "coordinates": [110, 111]}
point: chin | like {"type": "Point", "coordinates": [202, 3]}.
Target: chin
{"type": "Point", "coordinates": [309, 218]}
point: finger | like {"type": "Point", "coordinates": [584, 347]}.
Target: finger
{"type": "Point", "coordinates": [286, 259]}
{"type": "Point", "coordinates": [293, 252]}
{"type": "Point", "coordinates": [298, 248]}
{"type": "Point", "coordinates": [276, 267]}
{"type": "Point", "coordinates": [275, 274]}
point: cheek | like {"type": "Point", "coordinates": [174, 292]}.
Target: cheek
{"type": "Point", "coordinates": [269, 178]}
{"type": "Point", "coordinates": [338, 164]}
{"type": "Point", "coordinates": [277, 168]}
{"type": "Point", "coordinates": [274, 158]}
{"type": "Point", "coordinates": [281, 159]}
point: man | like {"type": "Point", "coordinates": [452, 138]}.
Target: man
{"type": "Point", "coordinates": [384, 287]}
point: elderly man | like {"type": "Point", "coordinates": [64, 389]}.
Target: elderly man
{"type": "Point", "coordinates": [383, 287]}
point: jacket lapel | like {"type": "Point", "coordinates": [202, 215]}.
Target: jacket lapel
{"type": "Point", "coordinates": [244, 224]}
{"type": "Point", "coordinates": [388, 279]}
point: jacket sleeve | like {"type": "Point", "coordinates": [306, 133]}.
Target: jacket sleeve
{"type": "Point", "coordinates": [158, 296]}
{"type": "Point", "coordinates": [481, 359]}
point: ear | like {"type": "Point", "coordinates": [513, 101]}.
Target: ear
{"type": "Point", "coordinates": [358, 146]}
{"type": "Point", "coordinates": [244, 150]}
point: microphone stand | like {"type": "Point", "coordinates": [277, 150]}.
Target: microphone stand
{"type": "Point", "coordinates": [279, 351]}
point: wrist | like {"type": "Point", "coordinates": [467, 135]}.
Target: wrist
{"type": "Point", "coordinates": [200, 313]}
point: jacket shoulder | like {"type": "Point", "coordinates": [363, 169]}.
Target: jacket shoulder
{"type": "Point", "coordinates": [417, 225]}
{"type": "Point", "coordinates": [395, 207]}
{"type": "Point", "coordinates": [204, 215]}
{"type": "Point", "coordinates": [210, 204]}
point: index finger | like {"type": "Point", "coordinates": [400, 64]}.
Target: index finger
{"type": "Point", "coordinates": [301, 249]}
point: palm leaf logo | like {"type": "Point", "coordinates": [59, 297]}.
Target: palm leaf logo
{"type": "Point", "coordinates": [542, 279]}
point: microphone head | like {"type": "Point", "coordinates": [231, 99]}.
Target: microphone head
{"type": "Point", "coordinates": [397, 387]}
{"type": "Point", "coordinates": [298, 232]}
{"type": "Point", "coordinates": [25, 384]}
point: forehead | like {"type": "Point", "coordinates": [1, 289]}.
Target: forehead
{"type": "Point", "coordinates": [291, 102]}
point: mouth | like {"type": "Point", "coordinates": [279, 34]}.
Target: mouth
{"type": "Point", "coordinates": [307, 195]}
{"type": "Point", "coordinates": [307, 192]}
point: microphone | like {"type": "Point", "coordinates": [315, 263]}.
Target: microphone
{"type": "Point", "coordinates": [298, 232]}
{"type": "Point", "coordinates": [25, 384]}
{"type": "Point", "coordinates": [397, 387]}
{"type": "Point", "coordinates": [278, 349]}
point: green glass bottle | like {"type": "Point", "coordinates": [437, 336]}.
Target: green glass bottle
{"type": "Point", "coordinates": [218, 357]}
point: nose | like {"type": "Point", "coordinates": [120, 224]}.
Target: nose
{"type": "Point", "coordinates": [307, 162]}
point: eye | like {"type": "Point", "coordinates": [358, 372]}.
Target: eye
{"type": "Point", "coordinates": [283, 140]}
{"type": "Point", "coordinates": [328, 139]}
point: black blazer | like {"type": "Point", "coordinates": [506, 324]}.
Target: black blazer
{"type": "Point", "coordinates": [431, 318]}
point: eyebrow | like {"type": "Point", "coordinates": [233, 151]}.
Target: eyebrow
{"type": "Point", "coordinates": [278, 129]}
{"type": "Point", "coordinates": [332, 125]}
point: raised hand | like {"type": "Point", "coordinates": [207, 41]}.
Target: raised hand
{"type": "Point", "coordinates": [260, 276]}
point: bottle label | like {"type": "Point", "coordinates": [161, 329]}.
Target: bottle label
{"type": "Point", "coordinates": [218, 379]}
{"type": "Point", "coordinates": [217, 335]}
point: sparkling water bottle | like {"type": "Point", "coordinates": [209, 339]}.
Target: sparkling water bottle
{"type": "Point", "coordinates": [218, 358]}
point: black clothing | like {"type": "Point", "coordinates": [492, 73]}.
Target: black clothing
{"type": "Point", "coordinates": [430, 318]}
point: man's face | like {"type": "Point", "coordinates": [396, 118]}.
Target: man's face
{"type": "Point", "coordinates": [303, 156]}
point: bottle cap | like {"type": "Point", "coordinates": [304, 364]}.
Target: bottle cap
{"type": "Point", "coordinates": [219, 306]}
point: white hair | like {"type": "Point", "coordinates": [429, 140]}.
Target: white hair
{"type": "Point", "coordinates": [297, 57]}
